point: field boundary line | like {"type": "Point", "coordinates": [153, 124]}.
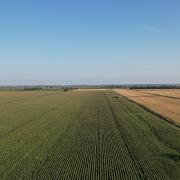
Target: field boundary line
{"type": "Point", "coordinates": [171, 97]}
{"type": "Point", "coordinates": [165, 118]}
{"type": "Point", "coordinates": [152, 129]}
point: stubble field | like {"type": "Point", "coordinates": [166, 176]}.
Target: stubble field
{"type": "Point", "coordinates": [171, 93]}
{"type": "Point", "coordinates": [84, 135]}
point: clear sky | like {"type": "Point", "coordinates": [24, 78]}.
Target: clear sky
{"type": "Point", "coordinates": [89, 41]}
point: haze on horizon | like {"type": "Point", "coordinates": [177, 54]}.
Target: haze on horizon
{"type": "Point", "coordinates": [89, 42]}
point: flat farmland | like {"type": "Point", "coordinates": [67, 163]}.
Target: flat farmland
{"type": "Point", "coordinates": [167, 107]}
{"type": "Point", "coordinates": [95, 135]}
{"type": "Point", "coordinates": [171, 93]}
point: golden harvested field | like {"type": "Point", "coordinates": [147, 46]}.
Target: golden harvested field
{"type": "Point", "coordinates": [165, 106]}
{"type": "Point", "coordinates": [174, 93]}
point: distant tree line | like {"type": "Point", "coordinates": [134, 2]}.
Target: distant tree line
{"type": "Point", "coordinates": [72, 87]}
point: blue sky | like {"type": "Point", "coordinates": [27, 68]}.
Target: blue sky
{"type": "Point", "coordinates": [89, 41]}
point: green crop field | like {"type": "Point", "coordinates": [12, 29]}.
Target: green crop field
{"type": "Point", "coordinates": [95, 135]}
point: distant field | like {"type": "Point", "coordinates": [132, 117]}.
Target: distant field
{"type": "Point", "coordinates": [95, 135]}
{"type": "Point", "coordinates": [163, 105]}
{"type": "Point", "coordinates": [174, 93]}
{"type": "Point", "coordinates": [90, 90]}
